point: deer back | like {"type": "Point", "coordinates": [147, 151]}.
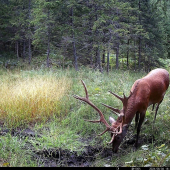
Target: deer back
{"type": "Point", "coordinates": [146, 91]}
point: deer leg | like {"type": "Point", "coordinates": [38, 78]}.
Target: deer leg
{"type": "Point", "coordinates": [153, 106]}
{"type": "Point", "coordinates": [142, 116]}
{"type": "Point", "coordinates": [157, 107]}
{"type": "Point", "coordinates": [136, 119]}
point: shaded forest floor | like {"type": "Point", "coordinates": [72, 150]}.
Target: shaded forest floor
{"type": "Point", "coordinates": [51, 131]}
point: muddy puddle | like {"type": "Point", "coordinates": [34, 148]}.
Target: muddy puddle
{"type": "Point", "coordinates": [58, 157]}
{"type": "Point", "coordinates": [65, 158]}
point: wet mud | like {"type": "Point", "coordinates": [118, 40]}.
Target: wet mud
{"type": "Point", "coordinates": [65, 158]}
{"type": "Point", "coordinates": [58, 157]}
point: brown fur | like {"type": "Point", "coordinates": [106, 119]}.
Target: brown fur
{"type": "Point", "coordinates": [146, 91]}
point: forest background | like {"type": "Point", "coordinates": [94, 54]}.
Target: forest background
{"type": "Point", "coordinates": [103, 34]}
{"type": "Point", "coordinates": [47, 47]}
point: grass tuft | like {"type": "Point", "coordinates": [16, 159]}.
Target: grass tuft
{"type": "Point", "coordinates": [30, 99]}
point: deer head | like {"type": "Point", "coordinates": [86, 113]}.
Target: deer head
{"type": "Point", "coordinates": [117, 128]}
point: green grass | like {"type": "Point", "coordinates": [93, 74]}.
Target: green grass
{"type": "Point", "coordinates": [43, 100]}
{"type": "Point", "coordinates": [13, 152]}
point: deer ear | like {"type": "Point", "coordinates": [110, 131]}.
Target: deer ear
{"type": "Point", "coordinates": [112, 120]}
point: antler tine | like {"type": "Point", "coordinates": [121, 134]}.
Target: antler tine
{"type": "Point", "coordinates": [116, 111]}
{"type": "Point", "coordinates": [116, 133]}
{"type": "Point", "coordinates": [122, 99]}
{"type": "Point", "coordinates": [86, 99]}
{"type": "Point", "coordinates": [93, 121]}
{"type": "Point", "coordinates": [103, 132]}
{"type": "Point", "coordinates": [87, 96]}
{"type": "Point", "coordinates": [111, 139]}
{"type": "Point", "coordinates": [120, 131]}
{"type": "Point", "coordinates": [128, 96]}
{"type": "Point", "coordinates": [124, 96]}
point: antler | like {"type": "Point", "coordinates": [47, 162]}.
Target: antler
{"type": "Point", "coordinates": [124, 99]}
{"type": "Point", "coordinates": [102, 119]}
{"type": "Point", "coordinates": [120, 131]}
{"type": "Point", "coordinates": [116, 111]}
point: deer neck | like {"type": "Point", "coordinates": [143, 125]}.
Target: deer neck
{"type": "Point", "coordinates": [129, 110]}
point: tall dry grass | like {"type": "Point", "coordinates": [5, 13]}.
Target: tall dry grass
{"type": "Point", "coordinates": [32, 98]}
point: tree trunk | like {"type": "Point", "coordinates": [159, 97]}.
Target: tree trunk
{"type": "Point", "coordinates": [29, 50]}
{"type": "Point", "coordinates": [74, 43]}
{"type": "Point", "coordinates": [48, 43]}
{"type": "Point", "coordinates": [48, 52]}
{"type": "Point", "coordinates": [117, 56]}
{"type": "Point", "coordinates": [108, 56]}
{"type": "Point", "coordinates": [139, 50]}
{"type": "Point", "coordinates": [103, 57]}
{"type": "Point", "coordinates": [128, 55]}
{"type": "Point", "coordinates": [99, 59]}
{"type": "Point", "coordinates": [23, 55]}
{"type": "Point", "coordinates": [75, 55]}
{"type": "Point", "coordinates": [17, 50]}
{"type": "Point", "coordinates": [29, 38]}
{"type": "Point", "coordinates": [148, 64]}
{"type": "Point", "coordinates": [91, 61]}
{"type": "Point", "coordinates": [108, 52]}
{"type": "Point", "coordinates": [139, 59]}
{"type": "Point", "coordinates": [135, 53]}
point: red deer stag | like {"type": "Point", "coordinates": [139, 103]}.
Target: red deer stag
{"type": "Point", "coordinates": [144, 92]}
